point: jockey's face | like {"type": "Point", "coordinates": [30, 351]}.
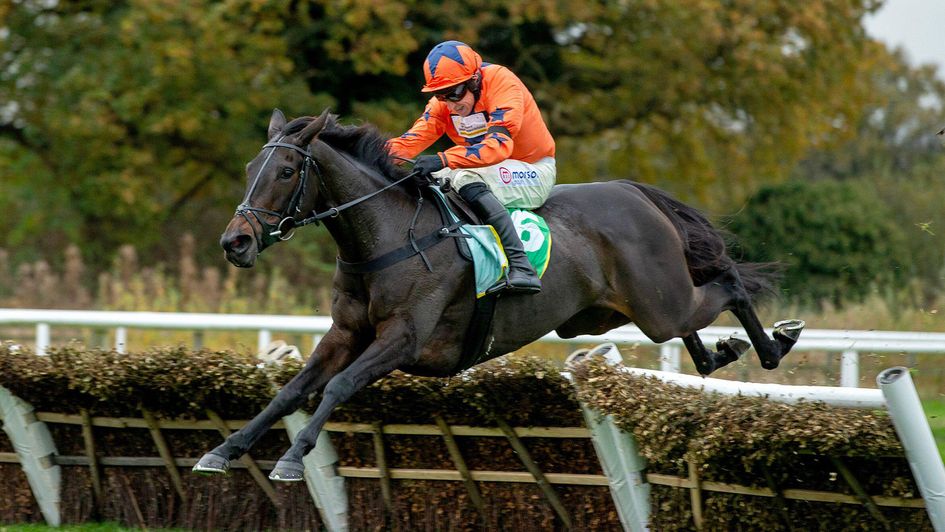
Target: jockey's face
{"type": "Point", "coordinates": [464, 106]}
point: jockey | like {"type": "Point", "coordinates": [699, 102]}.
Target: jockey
{"type": "Point", "coordinates": [504, 153]}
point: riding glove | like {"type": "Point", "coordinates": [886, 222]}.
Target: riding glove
{"type": "Point", "coordinates": [424, 168]}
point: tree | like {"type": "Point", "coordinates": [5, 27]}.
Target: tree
{"type": "Point", "coordinates": [125, 122]}
{"type": "Point", "coordinates": [834, 239]}
{"type": "Point", "coordinates": [714, 98]}
{"type": "Point", "coordinates": [894, 149]}
{"type": "Point", "coordinates": [707, 99]}
{"type": "Point", "coordinates": [129, 120]}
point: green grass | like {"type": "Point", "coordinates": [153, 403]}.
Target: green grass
{"type": "Point", "coordinates": [935, 412]}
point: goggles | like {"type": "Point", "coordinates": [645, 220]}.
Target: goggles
{"type": "Point", "coordinates": [452, 94]}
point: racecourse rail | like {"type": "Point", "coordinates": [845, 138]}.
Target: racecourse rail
{"type": "Point", "coordinates": [848, 343]}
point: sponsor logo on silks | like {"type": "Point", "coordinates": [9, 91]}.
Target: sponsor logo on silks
{"type": "Point", "coordinates": [517, 177]}
{"type": "Point", "coordinates": [474, 125]}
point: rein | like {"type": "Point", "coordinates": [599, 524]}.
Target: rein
{"type": "Point", "coordinates": [284, 230]}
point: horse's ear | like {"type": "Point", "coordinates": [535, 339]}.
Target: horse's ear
{"type": "Point", "coordinates": [312, 130]}
{"type": "Point", "coordinates": [276, 123]}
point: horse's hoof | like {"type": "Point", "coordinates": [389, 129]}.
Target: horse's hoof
{"type": "Point", "coordinates": [790, 328]}
{"type": "Point", "coordinates": [575, 357]}
{"type": "Point", "coordinates": [732, 349]}
{"type": "Point", "coordinates": [287, 471]}
{"type": "Point", "coordinates": [714, 362]}
{"type": "Point", "coordinates": [211, 464]}
{"type": "Point", "coordinates": [705, 368]}
{"type": "Point", "coordinates": [786, 332]}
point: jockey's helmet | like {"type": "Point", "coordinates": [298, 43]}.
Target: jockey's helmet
{"type": "Point", "coordinates": [448, 64]}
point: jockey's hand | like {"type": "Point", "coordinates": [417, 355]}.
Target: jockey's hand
{"type": "Point", "coordinates": [424, 167]}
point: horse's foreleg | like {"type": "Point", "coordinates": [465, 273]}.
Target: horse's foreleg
{"type": "Point", "coordinates": [395, 347]}
{"type": "Point", "coordinates": [332, 355]}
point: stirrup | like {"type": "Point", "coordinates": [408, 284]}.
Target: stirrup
{"type": "Point", "coordinates": [523, 289]}
{"type": "Point", "coordinates": [499, 286]}
{"type": "Point", "coordinates": [503, 285]}
{"type": "Point", "coordinates": [533, 287]}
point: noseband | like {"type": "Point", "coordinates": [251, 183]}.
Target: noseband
{"type": "Point", "coordinates": [285, 229]}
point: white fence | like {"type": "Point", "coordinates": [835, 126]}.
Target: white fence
{"type": "Point", "coordinates": [848, 343]}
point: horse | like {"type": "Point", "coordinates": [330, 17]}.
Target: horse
{"type": "Point", "coordinates": [623, 252]}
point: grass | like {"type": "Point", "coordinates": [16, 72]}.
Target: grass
{"type": "Point", "coordinates": [935, 412]}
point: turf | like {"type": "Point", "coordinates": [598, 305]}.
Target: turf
{"type": "Point", "coordinates": [935, 412]}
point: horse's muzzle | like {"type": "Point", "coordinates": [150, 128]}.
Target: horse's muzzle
{"type": "Point", "coordinates": [239, 248]}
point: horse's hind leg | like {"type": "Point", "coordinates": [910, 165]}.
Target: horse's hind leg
{"type": "Point", "coordinates": [770, 351]}
{"type": "Point", "coordinates": [727, 292]}
{"type": "Point", "coordinates": [706, 361]}
{"type": "Point", "coordinates": [714, 298]}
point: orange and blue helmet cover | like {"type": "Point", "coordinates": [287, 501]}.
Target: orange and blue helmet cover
{"type": "Point", "coordinates": [449, 63]}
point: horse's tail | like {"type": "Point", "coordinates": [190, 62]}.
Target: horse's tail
{"type": "Point", "coordinates": [705, 246]}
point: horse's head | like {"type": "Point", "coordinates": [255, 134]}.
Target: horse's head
{"type": "Point", "coordinates": [280, 186]}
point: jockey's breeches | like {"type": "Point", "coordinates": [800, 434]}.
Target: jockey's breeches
{"type": "Point", "coordinates": [516, 184]}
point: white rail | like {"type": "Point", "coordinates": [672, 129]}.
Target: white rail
{"type": "Point", "coordinates": [848, 343]}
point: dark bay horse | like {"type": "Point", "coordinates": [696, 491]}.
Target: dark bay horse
{"type": "Point", "coordinates": [623, 253]}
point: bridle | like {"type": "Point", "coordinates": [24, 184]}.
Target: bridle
{"type": "Point", "coordinates": [288, 222]}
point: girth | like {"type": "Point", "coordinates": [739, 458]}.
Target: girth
{"type": "Point", "coordinates": [475, 342]}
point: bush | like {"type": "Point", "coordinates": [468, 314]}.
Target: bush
{"type": "Point", "coordinates": [171, 382]}
{"type": "Point", "coordinates": [178, 383]}
{"type": "Point", "coordinates": [836, 240]}
{"type": "Point", "coordinates": [735, 440]}
{"type": "Point", "coordinates": [751, 441]}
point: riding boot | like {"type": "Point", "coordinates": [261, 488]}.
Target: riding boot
{"type": "Point", "coordinates": [522, 277]}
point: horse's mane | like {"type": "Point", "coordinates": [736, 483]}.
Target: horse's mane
{"type": "Point", "coordinates": [365, 143]}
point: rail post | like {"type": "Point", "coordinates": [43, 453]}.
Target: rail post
{"type": "Point", "coordinates": [324, 485]}
{"type": "Point", "coordinates": [36, 451]}
{"type": "Point", "coordinates": [850, 369]}
{"type": "Point", "coordinates": [907, 415]}
{"type": "Point", "coordinates": [669, 358]}
{"type": "Point", "coordinates": [265, 338]}
{"type": "Point", "coordinates": [42, 338]}
{"type": "Point", "coordinates": [121, 340]}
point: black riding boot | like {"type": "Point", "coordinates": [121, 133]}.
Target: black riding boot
{"type": "Point", "coordinates": [522, 277]}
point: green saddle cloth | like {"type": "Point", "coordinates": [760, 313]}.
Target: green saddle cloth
{"type": "Point", "coordinates": [489, 260]}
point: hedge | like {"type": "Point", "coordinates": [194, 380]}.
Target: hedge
{"type": "Point", "coordinates": [731, 439]}
{"type": "Point", "coordinates": [179, 383]}
{"type": "Point", "coordinates": [741, 440]}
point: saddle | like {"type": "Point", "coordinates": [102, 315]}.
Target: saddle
{"type": "Point", "coordinates": [482, 244]}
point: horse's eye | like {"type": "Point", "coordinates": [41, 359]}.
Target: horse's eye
{"type": "Point", "coordinates": [286, 172]}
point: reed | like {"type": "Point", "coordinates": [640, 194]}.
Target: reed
{"type": "Point", "coordinates": [185, 285]}
{"type": "Point", "coordinates": [131, 285]}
